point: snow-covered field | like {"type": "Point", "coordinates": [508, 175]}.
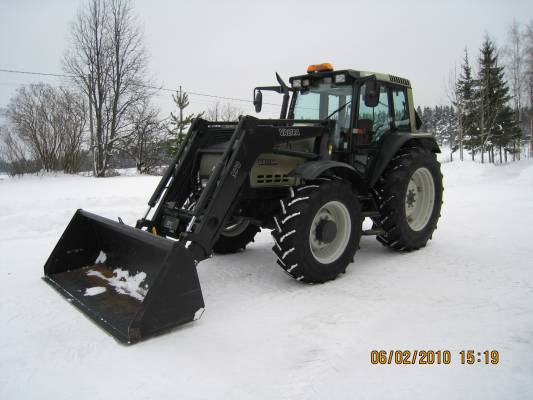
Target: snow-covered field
{"type": "Point", "coordinates": [265, 336]}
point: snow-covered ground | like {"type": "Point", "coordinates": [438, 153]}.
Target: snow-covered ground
{"type": "Point", "coordinates": [265, 336]}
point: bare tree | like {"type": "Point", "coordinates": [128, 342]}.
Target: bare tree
{"type": "Point", "coordinates": [15, 153]}
{"type": "Point", "coordinates": [528, 36]}
{"type": "Point", "coordinates": [225, 112]}
{"type": "Point", "coordinates": [454, 97]}
{"type": "Point", "coordinates": [514, 52]}
{"type": "Point", "coordinates": [50, 123]}
{"type": "Point", "coordinates": [146, 144]}
{"type": "Point", "coordinates": [107, 62]}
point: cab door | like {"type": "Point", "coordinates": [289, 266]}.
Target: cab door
{"type": "Point", "coordinates": [374, 122]}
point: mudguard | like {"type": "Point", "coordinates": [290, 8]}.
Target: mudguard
{"type": "Point", "coordinates": [390, 145]}
{"type": "Point", "coordinates": [314, 169]}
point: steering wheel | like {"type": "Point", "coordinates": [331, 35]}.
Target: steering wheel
{"type": "Point", "coordinates": [377, 127]}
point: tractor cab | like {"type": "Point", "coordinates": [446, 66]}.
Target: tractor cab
{"type": "Point", "coordinates": [366, 105]}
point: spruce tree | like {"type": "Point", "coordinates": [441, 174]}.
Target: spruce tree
{"type": "Point", "coordinates": [438, 120]}
{"type": "Point", "coordinates": [180, 122]}
{"type": "Point", "coordinates": [497, 126]}
{"type": "Point", "coordinates": [451, 128]}
{"type": "Point", "coordinates": [427, 120]}
{"type": "Point", "coordinates": [466, 108]}
{"type": "Point", "coordinates": [420, 114]}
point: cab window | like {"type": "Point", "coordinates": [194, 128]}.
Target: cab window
{"type": "Point", "coordinates": [323, 100]}
{"type": "Point", "coordinates": [376, 120]}
{"type": "Point", "coordinates": [401, 110]}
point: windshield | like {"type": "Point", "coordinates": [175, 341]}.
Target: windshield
{"type": "Point", "coordinates": [323, 100]}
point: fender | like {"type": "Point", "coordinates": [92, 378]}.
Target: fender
{"type": "Point", "coordinates": [390, 145]}
{"type": "Point", "coordinates": [314, 169]}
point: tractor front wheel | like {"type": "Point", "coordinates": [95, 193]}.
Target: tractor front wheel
{"type": "Point", "coordinates": [318, 231]}
{"type": "Point", "coordinates": [234, 237]}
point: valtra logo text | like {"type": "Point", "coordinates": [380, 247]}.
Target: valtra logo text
{"type": "Point", "coordinates": [289, 132]}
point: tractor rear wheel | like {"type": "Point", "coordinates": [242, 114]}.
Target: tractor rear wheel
{"type": "Point", "coordinates": [235, 236]}
{"type": "Point", "coordinates": [409, 197]}
{"type": "Point", "coordinates": [318, 230]}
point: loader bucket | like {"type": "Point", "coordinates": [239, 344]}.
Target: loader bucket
{"type": "Point", "coordinates": [130, 282]}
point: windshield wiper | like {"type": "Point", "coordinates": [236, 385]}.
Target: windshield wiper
{"type": "Point", "coordinates": [338, 109]}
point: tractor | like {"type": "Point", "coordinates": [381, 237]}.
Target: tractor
{"type": "Point", "coordinates": [346, 147]}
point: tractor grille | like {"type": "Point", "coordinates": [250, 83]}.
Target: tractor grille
{"type": "Point", "coordinates": [272, 179]}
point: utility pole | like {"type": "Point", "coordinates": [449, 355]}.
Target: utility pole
{"type": "Point", "coordinates": [181, 113]}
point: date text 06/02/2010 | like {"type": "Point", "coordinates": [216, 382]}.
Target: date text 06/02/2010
{"type": "Point", "coordinates": [432, 357]}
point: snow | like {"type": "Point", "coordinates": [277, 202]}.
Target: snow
{"type": "Point", "coordinates": [123, 282]}
{"type": "Point", "coordinates": [198, 313]}
{"type": "Point", "coordinates": [93, 291]}
{"type": "Point", "coordinates": [102, 257]}
{"type": "Point", "coordinates": [265, 336]}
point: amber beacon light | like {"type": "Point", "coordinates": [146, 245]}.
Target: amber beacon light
{"type": "Point", "coordinates": [320, 67]}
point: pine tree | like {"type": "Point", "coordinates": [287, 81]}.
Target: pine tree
{"type": "Point", "coordinates": [466, 108]}
{"type": "Point", "coordinates": [497, 126]}
{"type": "Point", "coordinates": [179, 123]}
{"type": "Point", "coordinates": [450, 127]}
{"type": "Point", "coordinates": [427, 120]}
{"type": "Point", "coordinates": [438, 121]}
{"type": "Point", "coordinates": [420, 114]}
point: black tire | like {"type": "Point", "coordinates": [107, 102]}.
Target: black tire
{"type": "Point", "coordinates": [293, 229]}
{"type": "Point", "coordinates": [229, 242]}
{"type": "Point", "coordinates": [392, 194]}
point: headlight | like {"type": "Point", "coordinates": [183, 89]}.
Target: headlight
{"type": "Point", "coordinates": [297, 83]}
{"type": "Point", "coordinates": [305, 82]}
{"type": "Point", "coordinates": [340, 78]}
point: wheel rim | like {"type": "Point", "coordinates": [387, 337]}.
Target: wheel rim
{"type": "Point", "coordinates": [420, 199]}
{"type": "Point", "coordinates": [235, 227]}
{"type": "Point", "coordinates": [326, 253]}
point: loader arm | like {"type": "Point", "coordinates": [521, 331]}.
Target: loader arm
{"type": "Point", "coordinates": [201, 224]}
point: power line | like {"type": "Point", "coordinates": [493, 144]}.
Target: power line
{"type": "Point", "coordinates": [16, 71]}
{"type": "Point", "coordinates": [158, 88]}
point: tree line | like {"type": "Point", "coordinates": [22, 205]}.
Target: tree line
{"type": "Point", "coordinates": [491, 102]}
{"type": "Point", "coordinates": [103, 117]}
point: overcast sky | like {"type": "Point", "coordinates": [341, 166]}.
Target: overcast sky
{"type": "Point", "coordinates": [227, 47]}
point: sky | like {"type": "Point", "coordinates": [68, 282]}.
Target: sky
{"type": "Point", "coordinates": [227, 47]}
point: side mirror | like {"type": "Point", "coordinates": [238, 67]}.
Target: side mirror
{"type": "Point", "coordinates": [258, 101]}
{"type": "Point", "coordinates": [371, 96]}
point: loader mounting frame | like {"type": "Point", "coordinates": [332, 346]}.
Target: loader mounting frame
{"type": "Point", "coordinates": [251, 137]}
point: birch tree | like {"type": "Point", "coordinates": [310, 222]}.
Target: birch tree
{"type": "Point", "coordinates": [528, 36]}
{"type": "Point", "coordinates": [107, 61]}
{"type": "Point", "coordinates": [515, 53]}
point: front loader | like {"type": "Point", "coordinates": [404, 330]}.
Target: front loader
{"type": "Point", "coordinates": [345, 148]}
